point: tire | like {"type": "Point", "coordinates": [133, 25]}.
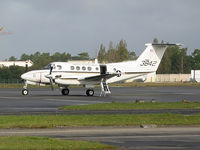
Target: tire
{"type": "Point", "coordinates": [65, 91]}
{"type": "Point", "coordinates": [90, 92]}
{"type": "Point", "coordinates": [24, 92]}
{"type": "Point", "coordinates": [119, 73]}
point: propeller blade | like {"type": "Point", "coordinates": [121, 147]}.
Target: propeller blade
{"type": "Point", "coordinates": [50, 78]}
{"type": "Point", "coordinates": [51, 69]}
{"type": "Point", "coordinates": [51, 83]}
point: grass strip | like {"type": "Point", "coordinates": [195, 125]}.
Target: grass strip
{"type": "Point", "coordinates": [53, 121]}
{"type": "Point", "coordinates": [131, 106]}
{"type": "Point", "coordinates": [45, 143]}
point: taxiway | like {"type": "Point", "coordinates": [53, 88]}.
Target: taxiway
{"type": "Point", "coordinates": [45, 101]}
{"type": "Point", "coordinates": [126, 138]}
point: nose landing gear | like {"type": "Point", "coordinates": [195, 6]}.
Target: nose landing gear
{"type": "Point", "coordinates": [25, 90]}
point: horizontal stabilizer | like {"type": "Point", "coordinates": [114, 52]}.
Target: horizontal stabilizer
{"type": "Point", "coordinates": [164, 44]}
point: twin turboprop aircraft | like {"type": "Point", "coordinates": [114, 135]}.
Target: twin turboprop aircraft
{"type": "Point", "coordinates": [65, 74]}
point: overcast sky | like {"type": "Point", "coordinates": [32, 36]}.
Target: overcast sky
{"type": "Point", "coordinates": [75, 26]}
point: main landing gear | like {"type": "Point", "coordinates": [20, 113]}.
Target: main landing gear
{"type": "Point", "coordinates": [90, 92]}
{"type": "Point", "coordinates": [65, 91]}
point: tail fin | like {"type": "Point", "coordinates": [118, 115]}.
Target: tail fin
{"type": "Point", "coordinates": [150, 59]}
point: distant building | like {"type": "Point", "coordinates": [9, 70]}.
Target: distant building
{"type": "Point", "coordinates": [153, 77]}
{"type": "Point", "coordinates": [195, 75]}
{"type": "Point", "coordinates": [173, 77]}
{"type": "Point", "coordinates": [29, 63]}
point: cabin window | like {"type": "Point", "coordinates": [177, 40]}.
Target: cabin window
{"type": "Point", "coordinates": [59, 67]}
{"type": "Point", "coordinates": [77, 68]}
{"type": "Point", "coordinates": [97, 68]}
{"type": "Point", "coordinates": [89, 68]}
{"type": "Point", "coordinates": [72, 67]}
{"type": "Point", "coordinates": [84, 68]}
{"type": "Point", "coordinates": [47, 67]}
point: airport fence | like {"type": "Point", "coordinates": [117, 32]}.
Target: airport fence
{"type": "Point", "coordinates": [11, 81]}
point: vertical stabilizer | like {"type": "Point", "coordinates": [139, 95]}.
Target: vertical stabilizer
{"type": "Point", "coordinates": [151, 57]}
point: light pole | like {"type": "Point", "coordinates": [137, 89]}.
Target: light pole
{"type": "Point", "coordinates": [1, 29]}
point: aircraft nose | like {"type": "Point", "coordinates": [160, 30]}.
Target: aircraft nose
{"type": "Point", "coordinates": [25, 76]}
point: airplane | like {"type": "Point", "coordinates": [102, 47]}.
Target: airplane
{"type": "Point", "coordinates": [65, 74]}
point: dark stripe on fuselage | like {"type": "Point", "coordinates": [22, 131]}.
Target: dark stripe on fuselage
{"type": "Point", "coordinates": [76, 72]}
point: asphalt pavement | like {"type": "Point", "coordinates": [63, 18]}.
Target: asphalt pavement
{"type": "Point", "coordinates": [45, 101]}
{"type": "Point", "coordinates": [126, 138]}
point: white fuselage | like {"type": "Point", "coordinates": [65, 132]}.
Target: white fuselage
{"type": "Point", "coordinates": [65, 73]}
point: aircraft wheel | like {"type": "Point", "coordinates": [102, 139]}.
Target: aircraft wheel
{"type": "Point", "coordinates": [24, 92]}
{"type": "Point", "coordinates": [90, 92]}
{"type": "Point", "coordinates": [65, 91]}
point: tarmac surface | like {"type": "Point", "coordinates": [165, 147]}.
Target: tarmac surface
{"type": "Point", "coordinates": [45, 101]}
{"type": "Point", "coordinates": [126, 138]}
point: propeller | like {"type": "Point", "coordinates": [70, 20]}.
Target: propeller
{"type": "Point", "coordinates": [49, 76]}
{"type": "Point", "coordinates": [52, 78]}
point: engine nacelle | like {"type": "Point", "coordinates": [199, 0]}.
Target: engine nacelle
{"type": "Point", "coordinates": [35, 83]}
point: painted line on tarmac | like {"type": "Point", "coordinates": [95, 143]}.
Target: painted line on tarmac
{"type": "Point", "coordinates": [75, 101]}
{"type": "Point", "coordinates": [183, 93]}
{"type": "Point", "coordinates": [129, 136]}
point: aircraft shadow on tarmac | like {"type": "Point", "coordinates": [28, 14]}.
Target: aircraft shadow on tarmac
{"type": "Point", "coordinates": [64, 96]}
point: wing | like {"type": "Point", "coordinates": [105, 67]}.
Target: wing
{"type": "Point", "coordinates": [107, 76]}
{"type": "Point", "coordinates": [98, 77]}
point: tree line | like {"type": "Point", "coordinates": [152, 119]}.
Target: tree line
{"type": "Point", "coordinates": [175, 60]}
{"type": "Point", "coordinates": [116, 53]}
